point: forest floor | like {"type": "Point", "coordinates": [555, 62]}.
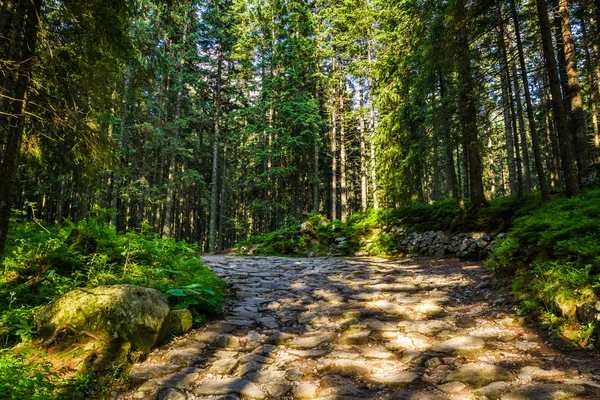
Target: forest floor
{"type": "Point", "coordinates": [365, 328]}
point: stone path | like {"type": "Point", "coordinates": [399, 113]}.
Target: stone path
{"type": "Point", "coordinates": [364, 328]}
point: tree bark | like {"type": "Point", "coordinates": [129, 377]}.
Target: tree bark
{"type": "Point", "coordinates": [448, 146]}
{"type": "Point", "coordinates": [575, 99]}
{"type": "Point", "coordinates": [522, 131]}
{"type": "Point", "coordinates": [535, 140]}
{"type": "Point", "coordinates": [372, 127]}
{"type": "Point", "coordinates": [364, 201]}
{"type": "Point", "coordinates": [506, 109]}
{"type": "Point", "coordinates": [343, 149]}
{"type": "Point", "coordinates": [568, 160]}
{"type": "Point", "coordinates": [18, 106]}
{"type": "Point", "coordinates": [212, 235]}
{"type": "Point", "coordinates": [593, 99]}
{"type": "Point", "coordinates": [468, 112]}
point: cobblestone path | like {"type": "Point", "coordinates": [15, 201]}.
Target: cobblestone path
{"type": "Point", "coordinates": [364, 328]}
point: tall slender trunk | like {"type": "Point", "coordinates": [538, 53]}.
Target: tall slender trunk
{"type": "Point", "coordinates": [535, 140]}
{"type": "Point", "coordinates": [315, 184]}
{"type": "Point", "coordinates": [115, 181]}
{"type": "Point", "coordinates": [568, 160]}
{"type": "Point", "coordinates": [469, 113]}
{"type": "Point", "coordinates": [343, 150]}
{"type": "Point", "coordinates": [222, 201]}
{"type": "Point", "coordinates": [522, 130]}
{"type": "Point", "coordinates": [334, 193]}
{"type": "Point", "coordinates": [168, 221]}
{"type": "Point", "coordinates": [593, 98]}
{"type": "Point", "coordinates": [372, 127]}
{"type": "Point", "coordinates": [508, 123]}
{"type": "Point", "coordinates": [343, 165]}
{"type": "Point", "coordinates": [447, 139]}
{"type": "Point", "coordinates": [364, 201]}
{"type": "Point", "coordinates": [212, 235]}
{"type": "Point", "coordinates": [577, 114]}
{"type": "Point", "coordinates": [10, 161]}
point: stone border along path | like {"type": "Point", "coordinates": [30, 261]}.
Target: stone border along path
{"type": "Point", "coordinates": [364, 328]}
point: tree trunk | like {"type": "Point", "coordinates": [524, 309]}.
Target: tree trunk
{"type": "Point", "coordinates": [469, 113]}
{"type": "Point", "coordinates": [212, 235]}
{"type": "Point", "coordinates": [535, 140]}
{"type": "Point", "coordinates": [568, 160]}
{"type": "Point", "coordinates": [508, 123]}
{"type": "Point", "coordinates": [10, 162]}
{"type": "Point", "coordinates": [593, 99]}
{"type": "Point", "coordinates": [364, 201]}
{"type": "Point", "coordinates": [222, 201]}
{"type": "Point", "coordinates": [343, 152]}
{"type": "Point", "coordinates": [522, 131]}
{"type": "Point", "coordinates": [334, 193]}
{"type": "Point", "coordinates": [372, 127]}
{"type": "Point", "coordinates": [577, 114]}
{"type": "Point", "coordinates": [315, 185]}
{"type": "Point", "coordinates": [447, 140]}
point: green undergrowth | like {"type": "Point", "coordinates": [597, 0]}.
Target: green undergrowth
{"type": "Point", "coordinates": [42, 263]}
{"type": "Point", "coordinates": [552, 257]}
{"type": "Point", "coordinates": [315, 236]}
{"type": "Point", "coordinates": [379, 232]}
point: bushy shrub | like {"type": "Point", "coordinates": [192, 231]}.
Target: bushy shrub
{"type": "Point", "coordinates": [42, 263]}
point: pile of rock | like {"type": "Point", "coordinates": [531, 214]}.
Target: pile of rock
{"type": "Point", "coordinates": [471, 245]}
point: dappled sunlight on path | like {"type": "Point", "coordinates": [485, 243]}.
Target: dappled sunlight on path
{"type": "Point", "coordinates": [363, 328]}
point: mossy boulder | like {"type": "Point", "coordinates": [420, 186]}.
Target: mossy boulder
{"type": "Point", "coordinates": [118, 313]}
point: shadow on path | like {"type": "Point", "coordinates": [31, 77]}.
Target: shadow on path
{"type": "Point", "coordinates": [364, 328]}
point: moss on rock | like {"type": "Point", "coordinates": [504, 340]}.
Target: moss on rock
{"type": "Point", "coordinates": [127, 313]}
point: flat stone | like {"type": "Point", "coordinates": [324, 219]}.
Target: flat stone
{"type": "Point", "coordinates": [238, 386]}
{"type": "Point", "coordinates": [278, 389]}
{"type": "Point", "coordinates": [525, 345]}
{"type": "Point", "coordinates": [452, 387]}
{"type": "Point", "coordinates": [185, 356]}
{"type": "Point", "coordinates": [378, 354]}
{"type": "Point", "coordinates": [413, 342]}
{"type": "Point", "coordinates": [279, 338]}
{"type": "Point", "coordinates": [494, 390]}
{"type": "Point", "coordinates": [466, 321]}
{"type": "Point", "coordinates": [460, 345]}
{"type": "Point", "coordinates": [224, 366]}
{"type": "Point", "coordinates": [394, 379]}
{"type": "Point", "coordinates": [478, 375]}
{"type": "Point", "coordinates": [428, 327]}
{"type": "Point", "coordinates": [305, 390]}
{"type": "Point", "coordinates": [293, 374]}
{"type": "Point", "coordinates": [171, 394]}
{"type": "Point", "coordinates": [343, 367]}
{"type": "Point", "coordinates": [316, 353]}
{"type": "Point", "coordinates": [379, 326]}
{"type": "Point", "coordinates": [545, 392]}
{"type": "Point", "coordinates": [262, 377]}
{"type": "Point", "coordinates": [221, 327]}
{"type": "Point", "coordinates": [313, 340]}
{"type": "Point", "coordinates": [355, 338]}
{"type": "Point", "coordinates": [144, 372]}
{"type": "Point", "coordinates": [529, 373]}
{"type": "Point", "coordinates": [365, 296]}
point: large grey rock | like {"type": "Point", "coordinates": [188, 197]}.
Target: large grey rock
{"type": "Point", "coordinates": [128, 313]}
